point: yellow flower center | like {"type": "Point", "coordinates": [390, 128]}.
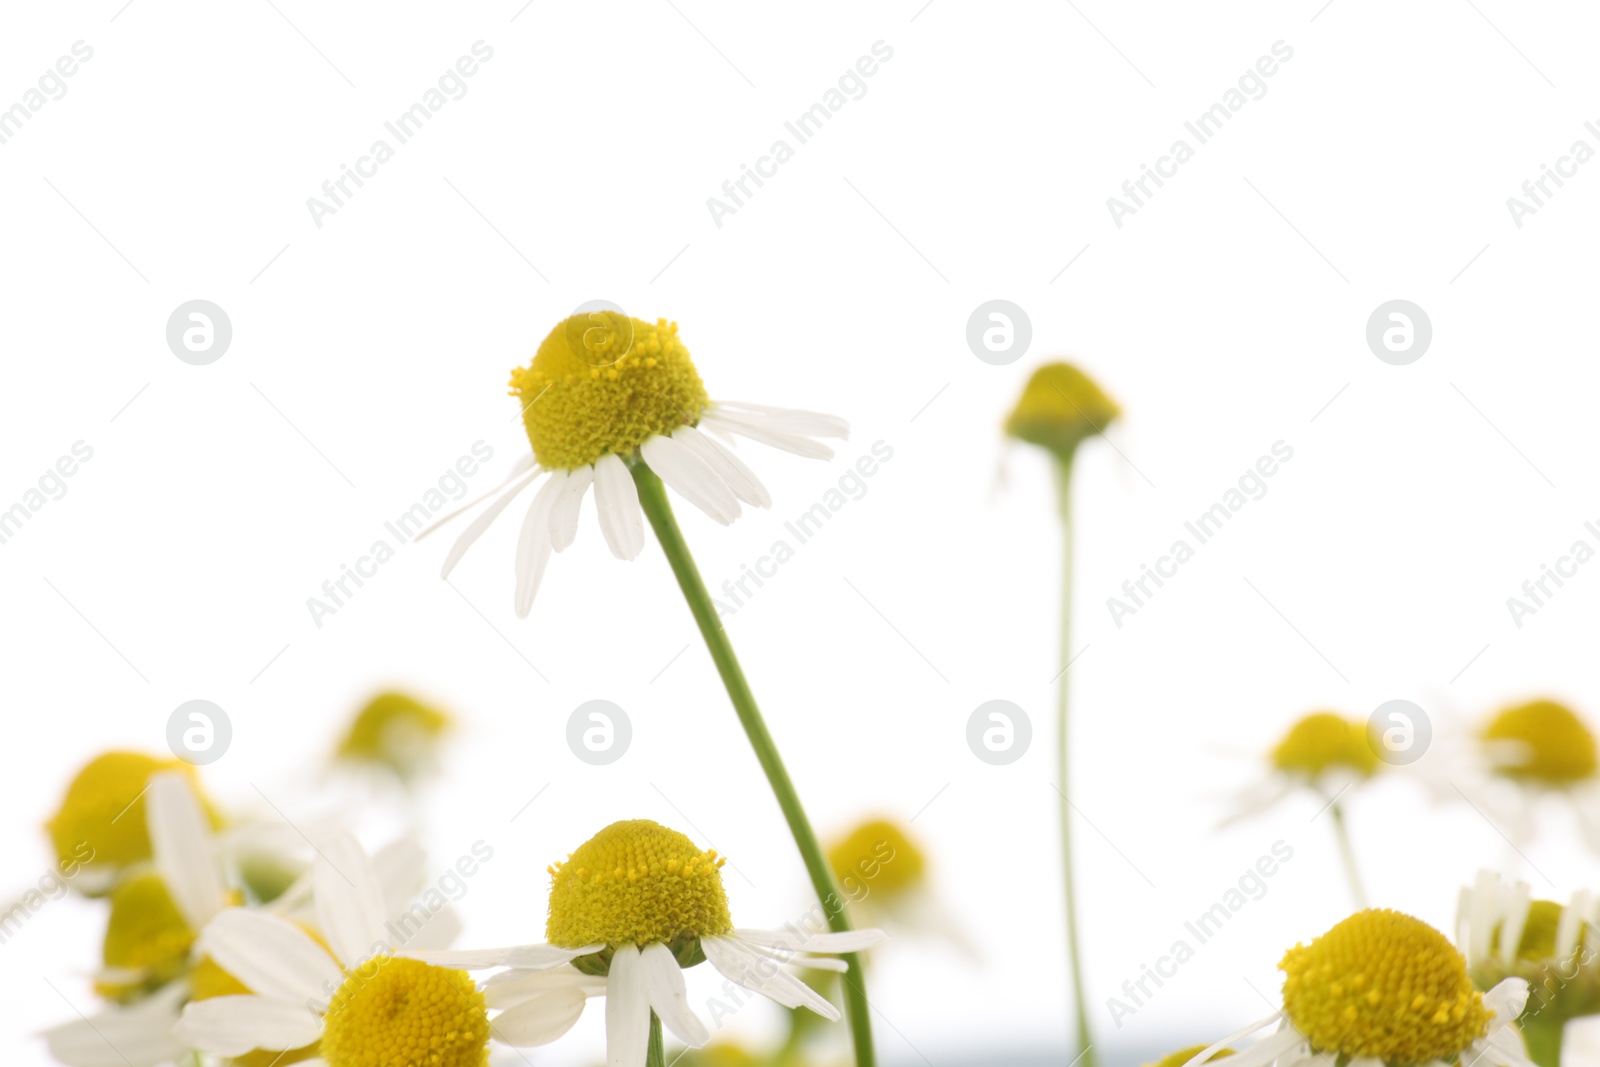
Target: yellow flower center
{"type": "Point", "coordinates": [635, 883]}
{"type": "Point", "coordinates": [208, 980]}
{"type": "Point", "coordinates": [397, 1011]}
{"type": "Point", "coordinates": [604, 383]}
{"type": "Point", "coordinates": [394, 730]}
{"type": "Point", "coordinates": [145, 933]}
{"type": "Point", "coordinates": [1060, 407]}
{"type": "Point", "coordinates": [877, 856]}
{"type": "Point", "coordinates": [1323, 741]}
{"type": "Point", "coordinates": [101, 819]}
{"type": "Point", "coordinates": [1538, 942]}
{"type": "Point", "coordinates": [1552, 745]}
{"type": "Point", "coordinates": [1183, 1056]}
{"type": "Point", "coordinates": [1384, 985]}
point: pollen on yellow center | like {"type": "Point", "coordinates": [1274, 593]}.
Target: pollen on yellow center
{"type": "Point", "coordinates": [1550, 743]}
{"type": "Point", "coordinates": [101, 818]}
{"type": "Point", "coordinates": [398, 1011]}
{"type": "Point", "coordinates": [146, 934]}
{"type": "Point", "coordinates": [1323, 741]}
{"type": "Point", "coordinates": [879, 857]}
{"type": "Point", "coordinates": [635, 883]}
{"type": "Point", "coordinates": [1382, 984]}
{"type": "Point", "coordinates": [602, 383]}
{"type": "Point", "coordinates": [208, 980]}
{"type": "Point", "coordinates": [1060, 407]}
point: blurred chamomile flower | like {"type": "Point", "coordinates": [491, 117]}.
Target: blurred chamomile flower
{"type": "Point", "coordinates": [397, 733]}
{"type": "Point", "coordinates": [1382, 988]}
{"type": "Point", "coordinates": [883, 873]}
{"type": "Point", "coordinates": [1322, 752]}
{"type": "Point", "coordinates": [607, 394]}
{"type": "Point", "coordinates": [99, 829]}
{"type": "Point", "coordinates": [341, 990]}
{"type": "Point", "coordinates": [1059, 409]}
{"type": "Point", "coordinates": [635, 905]}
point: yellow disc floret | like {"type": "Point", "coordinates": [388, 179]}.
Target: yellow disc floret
{"type": "Point", "coordinates": [634, 883]}
{"type": "Point", "coordinates": [1549, 743]}
{"type": "Point", "coordinates": [1323, 741]}
{"type": "Point", "coordinates": [1059, 408]}
{"type": "Point", "coordinates": [397, 1011]}
{"type": "Point", "coordinates": [101, 819]}
{"type": "Point", "coordinates": [1183, 1056]}
{"type": "Point", "coordinates": [395, 730]}
{"type": "Point", "coordinates": [604, 383]}
{"type": "Point", "coordinates": [146, 935]}
{"type": "Point", "coordinates": [208, 980]}
{"type": "Point", "coordinates": [1384, 985]}
{"type": "Point", "coordinates": [1538, 941]}
{"type": "Point", "coordinates": [879, 857]}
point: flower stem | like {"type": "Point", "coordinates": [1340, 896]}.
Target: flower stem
{"type": "Point", "coordinates": [653, 498]}
{"type": "Point", "coordinates": [1543, 1038]}
{"type": "Point", "coordinates": [1347, 855]}
{"type": "Point", "coordinates": [656, 1054]}
{"type": "Point", "coordinates": [1085, 1047]}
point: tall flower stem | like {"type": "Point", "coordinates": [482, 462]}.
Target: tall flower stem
{"type": "Point", "coordinates": [656, 1054]}
{"type": "Point", "coordinates": [653, 498]}
{"type": "Point", "coordinates": [1347, 855]}
{"type": "Point", "coordinates": [1085, 1048]}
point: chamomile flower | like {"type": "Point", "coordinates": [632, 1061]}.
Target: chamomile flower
{"type": "Point", "coordinates": [1323, 752]}
{"type": "Point", "coordinates": [99, 829]}
{"type": "Point", "coordinates": [635, 905]}
{"type": "Point", "coordinates": [605, 394]}
{"type": "Point", "coordinates": [1539, 750]}
{"type": "Point", "coordinates": [341, 990]}
{"type": "Point", "coordinates": [883, 872]}
{"type": "Point", "coordinates": [396, 732]}
{"type": "Point", "coordinates": [1059, 409]}
{"type": "Point", "coordinates": [1382, 988]}
{"type": "Point", "coordinates": [1504, 932]}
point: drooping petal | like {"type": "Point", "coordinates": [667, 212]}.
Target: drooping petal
{"type": "Point", "coordinates": [1259, 1054]}
{"type": "Point", "coordinates": [533, 544]}
{"type": "Point", "coordinates": [729, 467]}
{"type": "Point", "coordinates": [766, 435]}
{"type": "Point", "coordinates": [349, 904]}
{"type": "Point", "coordinates": [616, 499]}
{"type": "Point", "coordinates": [627, 1010]}
{"type": "Point", "coordinates": [809, 941]}
{"type": "Point", "coordinates": [140, 1036]}
{"type": "Point", "coordinates": [791, 420]}
{"type": "Point", "coordinates": [526, 957]}
{"type": "Point", "coordinates": [234, 1025]}
{"type": "Point", "coordinates": [185, 850]}
{"type": "Point", "coordinates": [518, 469]}
{"type": "Point", "coordinates": [564, 513]}
{"type": "Point", "coordinates": [482, 523]}
{"type": "Point", "coordinates": [691, 477]}
{"type": "Point", "coordinates": [664, 986]}
{"type": "Point", "coordinates": [539, 1020]}
{"type": "Point", "coordinates": [270, 955]}
{"type": "Point", "coordinates": [518, 986]}
{"type": "Point", "coordinates": [744, 966]}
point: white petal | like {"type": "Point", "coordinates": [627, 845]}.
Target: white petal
{"type": "Point", "coordinates": [130, 1037]}
{"type": "Point", "coordinates": [1513, 919]}
{"type": "Point", "coordinates": [533, 544]}
{"type": "Point", "coordinates": [270, 955]}
{"type": "Point", "coordinates": [401, 868]}
{"type": "Point", "coordinates": [627, 1010]}
{"type": "Point", "coordinates": [729, 467]}
{"type": "Point", "coordinates": [482, 523]}
{"type": "Point", "coordinates": [518, 986]}
{"type": "Point", "coordinates": [744, 966]}
{"type": "Point", "coordinates": [792, 420]}
{"type": "Point", "coordinates": [788, 442]}
{"type": "Point", "coordinates": [564, 515]}
{"type": "Point", "coordinates": [541, 1020]}
{"type": "Point", "coordinates": [528, 957]}
{"type": "Point", "coordinates": [518, 469]}
{"type": "Point", "coordinates": [185, 851]}
{"type": "Point", "coordinates": [663, 984]}
{"type": "Point", "coordinates": [1507, 999]}
{"type": "Point", "coordinates": [1570, 923]}
{"type": "Point", "coordinates": [350, 911]}
{"type": "Point", "coordinates": [616, 499]}
{"type": "Point", "coordinates": [232, 1026]}
{"type": "Point", "coordinates": [1485, 915]}
{"type": "Point", "coordinates": [807, 941]}
{"type": "Point", "coordinates": [1257, 1055]}
{"type": "Point", "coordinates": [692, 477]}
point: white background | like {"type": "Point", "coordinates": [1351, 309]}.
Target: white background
{"type": "Point", "coordinates": [1227, 314]}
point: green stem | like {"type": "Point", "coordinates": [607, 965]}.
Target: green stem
{"type": "Point", "coordinates": [1347, 855]}
{"type": "Point", "coordinates": [653, 498]}
{"type": "Point", "coordinates": [1085, 1047]}
{"type": "Point", "coordinates": [1543, 1038]}
{"type": "Point", "coordinates": [656, 1055]}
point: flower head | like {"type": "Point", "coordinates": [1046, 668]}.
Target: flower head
{"type": "Point", "coordinates": [101, 821]}
{"type": "Point", "coordinates": [1504, 933]}
{"type": "Point", "coordinates": [1542, 743]}
{"type": "Point", "coordinates": [880, 856]}
{"type": "Point", "coordinates": [1059, 408]}
{"type": "Point", "coordinates": [396, 731]}
{"type": "Point", "coordinates": [1324, 741]}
